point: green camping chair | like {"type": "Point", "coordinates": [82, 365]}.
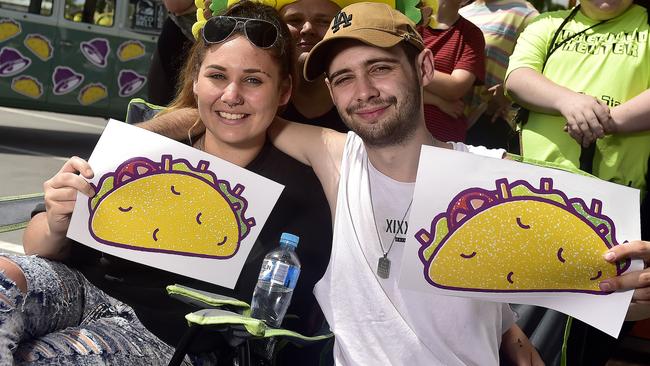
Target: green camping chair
{"type": "Point", "coordinates": [227, 321]}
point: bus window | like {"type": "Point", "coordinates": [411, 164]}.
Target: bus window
{"type": "Point", "coordinates": [99, 12]}
{"type": "Point", "coordinates": [40, 7]}
{"type": "Point", "coordinates": [146, 16]}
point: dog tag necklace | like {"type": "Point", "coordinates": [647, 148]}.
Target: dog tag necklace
{"type": "Point", "coordinates": [383, 265]}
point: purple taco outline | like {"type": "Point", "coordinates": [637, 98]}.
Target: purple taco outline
{"type": "Point", "coordinates": [17, 24]}
{"type": "Point", "coordinates": [126, 44]}
{"type": "Point", "coordinates": [45, 39]}
{"type": "Point", "coordinates": [56, 83]}
{"type": "Point", "coordinates": [471, 202]}
{"type": "Point", "coordinates": [96, 57]}
{"type": "Point", "coordinates": [130, 171]}
{"type": "Point", "coordinates": [88, 86]}
{"type": "Point", "coordinates": [122, 84]}
{"type": "Point", "coordinates": [17, 71]}
{"type": "Point", "coordinates": [27, 77]}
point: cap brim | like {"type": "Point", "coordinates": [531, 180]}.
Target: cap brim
{"type": "Point", "coordinates": [315, 63]}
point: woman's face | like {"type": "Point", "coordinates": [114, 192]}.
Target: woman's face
{"type": "Point", "coordinates": [238, 91]}
{"type": "Point", "coordinates": [604, 9]}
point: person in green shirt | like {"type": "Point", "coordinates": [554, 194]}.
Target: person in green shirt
{"type": "Point", "coordinates": [583, 74]}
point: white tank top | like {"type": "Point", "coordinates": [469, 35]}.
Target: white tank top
{"type": "Point", "coordinates": [373, 321]}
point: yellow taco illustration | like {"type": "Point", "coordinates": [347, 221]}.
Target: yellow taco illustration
{"type": "Point", "coordinates": [169, 207]}
{"type": "Point", "coordinates": [519, 239]}
{"type": "Point", "coordinates": [92, 93]}
{"type": "Point", "coordinates": [130, 50]}
{"type": "Point", "coordinates": [8, 28]}
{"type": "Point", "coordinates": [27, 86]}
{"type": "Point", "coordinates": [39, 45]}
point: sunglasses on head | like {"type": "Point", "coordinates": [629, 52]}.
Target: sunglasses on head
{"type": "Point", "coordinates": [261, 33]}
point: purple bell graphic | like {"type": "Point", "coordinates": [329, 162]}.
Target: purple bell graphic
{"type": "Point", "coordinates": [130, 82]}
{"type": "Point", "coordinates": [96, 51]}
{"type": "Point", "coordinates": [65, 80]}
{"type": "Point", "coordinates": [12, 62]}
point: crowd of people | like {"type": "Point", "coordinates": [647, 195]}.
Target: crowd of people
{"type": "Point", "coordinates": [335, 104]}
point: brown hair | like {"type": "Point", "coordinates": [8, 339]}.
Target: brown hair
{"type": "Point", "coordinates": [281, 51]}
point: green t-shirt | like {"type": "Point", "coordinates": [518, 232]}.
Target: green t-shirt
{"type": "Point", "coordinates": [610, 62]}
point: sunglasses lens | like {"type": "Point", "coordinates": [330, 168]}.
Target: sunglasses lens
{"type": "Point", "coordinates": [218, 29]}
{"type": "Point", "coordinates": [262, 34]}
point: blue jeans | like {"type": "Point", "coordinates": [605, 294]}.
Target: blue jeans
{"type": "Point", "coordinates": [65, 320]}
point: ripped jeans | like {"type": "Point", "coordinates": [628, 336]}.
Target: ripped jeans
{"type": "Point", "coordinates": [65, 320]}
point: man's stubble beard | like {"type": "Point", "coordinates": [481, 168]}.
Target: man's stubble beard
{"type": "Point", "coordinates": [396, 129]}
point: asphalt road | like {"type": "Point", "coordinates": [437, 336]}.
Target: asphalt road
{"type": "Point", "coordinates": [33, 147]}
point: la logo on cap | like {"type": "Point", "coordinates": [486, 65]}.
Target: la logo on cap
{"type": "Point", "coordinates": [341, 20]}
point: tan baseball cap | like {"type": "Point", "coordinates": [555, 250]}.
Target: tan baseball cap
{"type": "Point", "coordinates": [376, 24]}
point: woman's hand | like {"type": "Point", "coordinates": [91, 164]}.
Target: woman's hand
{"type": "Point", "coordinates": [61, 193]}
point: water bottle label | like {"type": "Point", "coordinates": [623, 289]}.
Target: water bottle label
{"type": "Point", "coordinates": [279, 273]}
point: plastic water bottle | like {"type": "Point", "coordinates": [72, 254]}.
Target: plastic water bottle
{"type": "Point", "coordinates": [275, 284]}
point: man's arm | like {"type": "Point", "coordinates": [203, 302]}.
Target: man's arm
{"type": "Point", "coordinates": [175, 124]}
{"type": "Point", "coordinates": [633, 115]}
{"type": "Point", "coordinates": [451, 87]}
{"type": "Point", "coordinates": [453, 108]}
{"type": "Point", "coordinates": [583, 113]}
{"type": "Point", "coordinates": [320, 148]}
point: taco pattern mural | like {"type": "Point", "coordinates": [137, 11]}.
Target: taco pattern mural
{"type": "Point", "coordinates": [517, 238]}
{"type": "Point", "coordinates": [9, 29]}
{"type": "Point", "coordinates": [12, 62]}
{"type": "Point", "coordinates": [40, 46]}
{"type": "Point", "coordinates": [92, 93]}
{"type": "Point", "coordinates": [65, 80]}
{"type": "Point", "coordinates": [96, 51]}
{"type": "Point", "coordinates": [27, 86]}
{"type": "Point", "coordinates": [130, 50]}
{"type": "Point", "coordinates": [170, 207]}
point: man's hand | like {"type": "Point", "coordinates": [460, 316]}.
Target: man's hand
{"type": "Point", "coordinates": [587, 117]}
{"type": "Point", "coordinates": [639, 281]}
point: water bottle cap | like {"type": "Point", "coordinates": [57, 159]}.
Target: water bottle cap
{"type": "Point", "coordinates": [289, 239]}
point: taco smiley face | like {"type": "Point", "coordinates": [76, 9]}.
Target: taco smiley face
{"type": "Point", "coordinates": [519, 239]}
{"type": "Point", "coordinates": [169, 207]}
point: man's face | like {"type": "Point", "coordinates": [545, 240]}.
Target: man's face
{"type": "Point", "coordinates": [308, 21]}
{"type": "Point", "coordinates": [376, 91]}
{"type": "Point", "coordinates": [604, 9]}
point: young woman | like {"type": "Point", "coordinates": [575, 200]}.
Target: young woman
{"type": "Point", "coordinates": [97, 309]}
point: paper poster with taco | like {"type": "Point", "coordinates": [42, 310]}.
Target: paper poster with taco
{"type": "Point", "coordinates": [164, 204]}
{"type": "Point", "coordinates": [521, 233]}
{"type": "Point", "coordinates": [169, 207]}
{"type": "Point", "coordinates": [518, 238]}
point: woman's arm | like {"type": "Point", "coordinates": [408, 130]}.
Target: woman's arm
{"type": "Point", "coordinates": [45, 233]}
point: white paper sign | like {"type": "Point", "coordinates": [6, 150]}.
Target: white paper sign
{"type": "Point", "coordinates": [518, 233]}
{"type": "Point", "coordinates": [162, 203]}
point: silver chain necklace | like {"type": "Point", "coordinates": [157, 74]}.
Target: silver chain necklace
{"type": "Point", "coordinates": [383, 264]}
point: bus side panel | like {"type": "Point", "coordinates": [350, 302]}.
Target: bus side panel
{"type": "Point", "coordinates": [27, 46]}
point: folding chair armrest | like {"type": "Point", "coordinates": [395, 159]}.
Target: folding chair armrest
{"type": "Point", "coordinates": [205, 299]}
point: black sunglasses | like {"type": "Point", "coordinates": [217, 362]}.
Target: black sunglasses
{"type": "Point", "coordinates": [261, 33]}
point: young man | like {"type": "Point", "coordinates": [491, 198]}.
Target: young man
{"type": "Point", "coordinates": [368, 176]}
